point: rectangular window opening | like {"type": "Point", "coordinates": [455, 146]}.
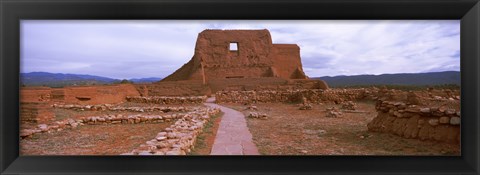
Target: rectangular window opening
{"type": "Point", "coordinates": [233, 46]}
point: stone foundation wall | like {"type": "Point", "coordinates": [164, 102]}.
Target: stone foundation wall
{"type": "Point", "coordinates": [412, 121]}
{"type": "Point", "coordinates": [36, 112]}
{"type": "Point", "coordinates": [104, 119]}
{"type": "Point", "coordinates": [167, 100]}
{"type": "Point", "coordinates": [293, 96]}
{"type": "Point", "coordinates": [179, 138]}
{"type": "Point", "coordinates": [98, 120]}
{"type": "Point", "coordinates": [107, 107]}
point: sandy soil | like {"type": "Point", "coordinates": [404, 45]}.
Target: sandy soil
{"type": "Point", "coordinates": [289, 131]}
{"type": "Point", "coordinates": [91, 140]}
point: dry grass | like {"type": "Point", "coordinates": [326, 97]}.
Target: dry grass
{"type": "Point", "coordinates": [204, 143]}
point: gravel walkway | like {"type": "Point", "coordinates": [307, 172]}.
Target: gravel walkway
{"type": "Point", "coordinates": [233, 136]}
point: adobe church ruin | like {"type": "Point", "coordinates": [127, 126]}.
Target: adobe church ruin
{"type": "Point", "coordinates": [236, 59]}
{"type": "Point", "coordinates": [224, 54]}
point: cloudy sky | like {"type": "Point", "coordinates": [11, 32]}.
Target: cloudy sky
{"type": "Point", "coordinates": [146, 48]}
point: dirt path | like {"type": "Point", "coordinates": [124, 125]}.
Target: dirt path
{"type": "Point", "coordinates": [233, 136]}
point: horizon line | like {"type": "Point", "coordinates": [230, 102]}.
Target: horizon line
{"type": "Point", "coordinates": [164, 77]}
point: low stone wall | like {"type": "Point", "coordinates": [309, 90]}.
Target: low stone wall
{"type": "Point", "coordinates": [98, 120]}
{"type": "Point", "coordinates": [179, 138]}
{"type": "Point", "coordinates": [36, 112]}
{"type": "Point", "coordinates": [412, 121]}
{"type": "Point", "coordinates": [105, 107]}
{"type": "Point", "coordinates": [289, 96]}
{"type": "Point", "coordinates": [168, 100]}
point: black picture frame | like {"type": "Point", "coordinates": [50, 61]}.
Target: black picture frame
{"type": "Point", "coordinates": [12, 11]}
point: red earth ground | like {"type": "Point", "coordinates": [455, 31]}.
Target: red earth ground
{"type": "Point", "coordinates": [289, 131]}
{"type": "Point", "coordinates": [91, 140]}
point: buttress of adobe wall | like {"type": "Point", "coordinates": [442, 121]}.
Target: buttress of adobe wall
{"type": "Point", "coordinates": [286, 61]}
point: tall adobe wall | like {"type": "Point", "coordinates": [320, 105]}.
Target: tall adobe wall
{"type": "Point", "coordinates": [90, 95]}
{"type": "Point", "coordinates": [256, 57]}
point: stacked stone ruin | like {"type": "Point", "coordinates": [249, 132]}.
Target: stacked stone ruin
{"type": "Point", "coordinates": [419, 122]}
{"type": "Point", "coordinates": [333, 112]}
{"type": "Point", "coordinates": [108, 107]}
{"type": "Point", "coordinates": [349, 105]}
{"type": "Point", "coordinates": [288, 96]}
{"type": "Point", "coordinates": [179, 138]}
{"type": "Point", "coordinates": [405, 113]}
{"type": "Point", "coordinates": [98, 120]}
{"type": "Point", "coordinates": [257, 115]}
{"type": "Point", "coordinates": [306, 105]}
{"type": "Point", "coordinates": [168, 100]}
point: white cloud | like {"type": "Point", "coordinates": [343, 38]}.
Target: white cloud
{"type": "Point", "coordinates": [134, 49]}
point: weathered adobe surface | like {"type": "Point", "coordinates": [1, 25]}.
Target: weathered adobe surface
{"type": "Point", "coordinates": [79, 95]}
{"type": "Point", "coordinates": [35, 106]}
{"type": "Point", "coordinates": [36, 112]}
{"type": "Point", "coordinates": [256, 56]}
{"type": "Point", "coordinates": [35, 94]}
{"type": "Point", "coordinates": [257, 63]}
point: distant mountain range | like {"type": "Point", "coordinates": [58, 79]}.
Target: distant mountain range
{"type": "Point", "coordinates": [409, 79]}
{"type": "Point", "coordinates": [60, 79]}
{"type": "Point", "coordinates": [145, 80]}
{"type": "Point", "coordinates": [415, 79]}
